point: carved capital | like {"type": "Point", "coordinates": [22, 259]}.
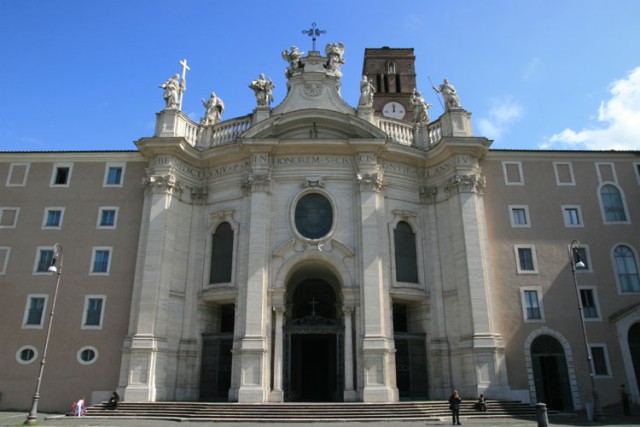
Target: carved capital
{"type": "Point", "coordinates": [347, 310]}
{"type": "Point", "coordinates": [472, 183]}
{"type": "Point", "coordinates": [428, 194]}
{"type": "Point", "coordinates": [162, 184]}
{"type": "Point", "coordinates": [370, 181]}
{"type": "Point", "coordinates": [257, 183]}
{"type": "Point", "coordinates": [279, 309]}
{"type": "Point", "coordinates": [199, 195]}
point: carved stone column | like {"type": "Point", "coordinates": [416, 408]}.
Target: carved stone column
{"type": "Point", "coordinates": [277, 394]}
{"type": "Point", "coordinates": [349, 391]}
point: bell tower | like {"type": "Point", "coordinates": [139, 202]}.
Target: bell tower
{"type": "Point", "coordinates": [393, 74]}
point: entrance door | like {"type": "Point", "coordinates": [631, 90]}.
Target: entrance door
{"type": "Point", "coordinates": [633, 338]}
{"type": "Point", "coordinates": [313, 367]}
{"type": "Point", "coordinates": [550, 373]}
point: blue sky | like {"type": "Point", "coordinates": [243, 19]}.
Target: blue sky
{"type": "Point", "coordinates": [552, 74]}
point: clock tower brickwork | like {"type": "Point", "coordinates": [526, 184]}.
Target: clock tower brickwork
{"type": "Point", "coordinates": [392, 72]}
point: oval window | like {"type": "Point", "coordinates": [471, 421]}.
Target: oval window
{"type": "Point", "coordinates": [26, 354]}
{"type": "Point", "coordinates": [313, 216]}
{"type": "Point", "coordinates": [87, 355]}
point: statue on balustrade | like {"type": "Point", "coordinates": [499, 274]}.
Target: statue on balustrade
{"type": "Point", "coordinates": [172, 89]}
{"type": "Point", "coordinates": [263, 89]}
{"type": "Point", "coordinates": [366, 92]}
{"type": "Point", "coordinates": [420, 108]}
{"type": "Point", "coordinates": [335, 60]}
{"type": "Point", "coordinates": [293, 58]}
{"type": "Point", "coordinates": [449, 95]}
{"type": "Point", "coordinates": [214, 109]}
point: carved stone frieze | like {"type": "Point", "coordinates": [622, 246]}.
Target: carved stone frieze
{"type": "Point", "coordinates": [162, 184]}
{"type": "Point", "coordinates": [472, 183]}
{"type": "Point", "coordinates": [257, 183]}
{"type": "Point", "coordinates": [370, 181]}
{"type": "Point", "coordinates": [312, 182]}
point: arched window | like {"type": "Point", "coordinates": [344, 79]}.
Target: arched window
{"type": "Point", "coordinates": [406, 258]}
{"type": "Point", "coordinates": [391, 67]}
{"type": "Point", "coordinates": [221, 254]}
{"type": "Point", "coordinates": [627, 269]}
{"type": "Point", "coordinates": [612, 204]}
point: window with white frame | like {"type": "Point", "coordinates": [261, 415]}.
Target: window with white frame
{"type": "Point", "coordinates": [87, 355]}
{"type": "Point", "coordinates": [589, 300]}
{"type": "Point", "coordinates": [93, 311]}
{"type": "Point", "coordinates": [626, 269]}
{"type": "Point", "coordinates": [44, 260]}
{"type": "Point", "coordinates": [572, 215]}
{"type": "Point", "coordinates": [636, 167]}
{"type": "Point", "coordinates": [612, 203]}
{"type": "Point", "coordinates": [512, 173]}
{"type": "Point", "coordinates": [5, 251]}
{"type": "Point", "coordinates": [526, 259]}
{"type": "Point", "coordinates": [101, 260]}
{"type": "Point", "coordinates": [564, 173]}
{"type": "Point", "coordinates": [531, 304]}
{"type": "Point", "coordinates": [600, 360]}
{"type": "Point", "coordinates": [114, 174]}
{"type": "Point", "coordinates": [9, 217]}
{"type": "Point", "coordinates": [107, 217]}
{"type": "Point", "coordinates": [581, 255]}
{"type": "Point", "coordinates": [26, 354]}
{"type": "Point", "coordinates": [519, 215]}
{"type": "Point", "coordinates": [34, 311]}
{"type": "Point", "coordinates": [61, 174]}
{"type": "Point", "coordinates": [18, 173]}
{"type": "Point", "coordinates": [53, 218]}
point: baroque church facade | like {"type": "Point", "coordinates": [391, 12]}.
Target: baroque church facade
{"type": "Point", "coordinates": [316, 251]}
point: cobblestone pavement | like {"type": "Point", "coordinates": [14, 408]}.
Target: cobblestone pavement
{"type": "Point", "coordinates": [18, 418]}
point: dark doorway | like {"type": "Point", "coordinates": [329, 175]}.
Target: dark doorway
{"type": "Point", "coordinates": [633, 338]}
{"type": "Point", "coordinates": [313, 367]}
{"type": "Point", "coordinates": [550, 373]}
{"type": "Point", "coordinates": [215, 369]}
{"type": "Point", "coordinates": [411, 357]}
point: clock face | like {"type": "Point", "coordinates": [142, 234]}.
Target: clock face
{"type": "Point", "coordinates": [394, 110]}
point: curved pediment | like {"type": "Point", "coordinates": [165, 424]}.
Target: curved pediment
{"type": "Point", "coordinates": [314, 124]}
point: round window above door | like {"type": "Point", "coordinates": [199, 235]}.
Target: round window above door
{"type": "Point", "coordinates": [313, 216]}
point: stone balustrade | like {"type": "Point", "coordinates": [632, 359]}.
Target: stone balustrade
{"type": "Point", "coordinates": [228, 131]}
{"type": "Point", "coordinates": [406, 133]}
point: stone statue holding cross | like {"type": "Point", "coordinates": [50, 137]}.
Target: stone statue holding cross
{"type": "Point", "coordinates": [174, 88]}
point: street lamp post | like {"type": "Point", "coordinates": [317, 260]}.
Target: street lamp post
{"type": "Point", "coordinates": [57, 256]}
{"type": "Point", "coordinates": [574, 253]}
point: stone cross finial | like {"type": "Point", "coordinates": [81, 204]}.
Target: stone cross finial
{"type": "Point", "coordinates": [313, 32]}
{"type": "Point", "coordinates": [185, 67]}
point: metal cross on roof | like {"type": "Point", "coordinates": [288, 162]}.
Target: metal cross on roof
{"type": "Point", "coordinates": [313, 32]}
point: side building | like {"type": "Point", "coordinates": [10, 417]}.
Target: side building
{"type": "Point", "coordinates": [314, 251]}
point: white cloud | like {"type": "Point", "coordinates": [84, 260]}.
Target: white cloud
{"type": "Point", "coordinates": [618, 121]}
{"type": "Point", "coordinates": [503, 113]}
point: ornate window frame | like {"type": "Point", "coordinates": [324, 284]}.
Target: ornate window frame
{"type": "Point", "coordinates": [216, 218]}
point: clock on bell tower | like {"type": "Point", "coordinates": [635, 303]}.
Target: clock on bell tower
{"type": "Point", "coordinates": [393, 74]}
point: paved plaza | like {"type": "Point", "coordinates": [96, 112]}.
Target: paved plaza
{"type": "Point", "coordinates": [17, 418]}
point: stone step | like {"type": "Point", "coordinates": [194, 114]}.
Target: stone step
{"type": "Point", "coordinates": [307, 412]}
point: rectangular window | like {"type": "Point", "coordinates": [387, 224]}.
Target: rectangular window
{"type": "Point", "coordinates": [18, 174]}
{"type": "Point", "coordinates": [114, 174]}
{"type": "Point", "coordinates": [519, 216]}
{"type": "Point", "coordinates": [589, 303]}
{"type": "Point", "coordinates": [526, 259]}
{"type": "Point", "coordinates": [572, 216]}
{"type": "Point", "coordinates": [4, 258]}
{"type": "Point", "coordinates": [34, 311]}
{"type": "Point", "coordinates": [581, 255]}
{"type": "Point", "coordinates": [107, 217]}
{"type": "Point", "coordinates": [600, 360]}
{"type": "Point", "coordinates": [61, 175]}
{"type": "Point", "coordinates": [9, 217]}
{"type": "Point", "coordinates": [512, 173]}
{"type": "Point", "coordinates": [101, 260]}
{"type": "Point", "coordinates": [53, 218]}
{"type": "Point", "coordinates": [564, 173]}
{"type": "Point", "coordinates": [93, 311]}
{"type": "Point", "coordinates": [44, 260]}
{"type": "Point", "coordinates": [531, 304]}
{"type": "Point", "coordinates": [606, 172]}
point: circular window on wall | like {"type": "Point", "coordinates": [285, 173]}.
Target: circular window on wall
{"type": "Point", "coordinates": [87, 355]}
{"type": "Point", "coordinates": [313, 216]}
{"type": "Point", "coordinates": [26, 354]}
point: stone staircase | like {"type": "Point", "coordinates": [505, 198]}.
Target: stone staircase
{"type": "Point", "coordinates": [308, 412]}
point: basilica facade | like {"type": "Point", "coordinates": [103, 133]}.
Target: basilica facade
{"type": "Point", "coordinates": [314, 251]}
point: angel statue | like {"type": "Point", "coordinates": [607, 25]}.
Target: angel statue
{"type": "Point", "coordinates": [214, 109]}
{"type": "Point", "coordinates": [335, 60]}
{"type": "Point", "coordinates": [263, 89]}
{"type": "Point", "coordinates": [420, 108]}
{"type": "Point", "coordinates": [293, 59]}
